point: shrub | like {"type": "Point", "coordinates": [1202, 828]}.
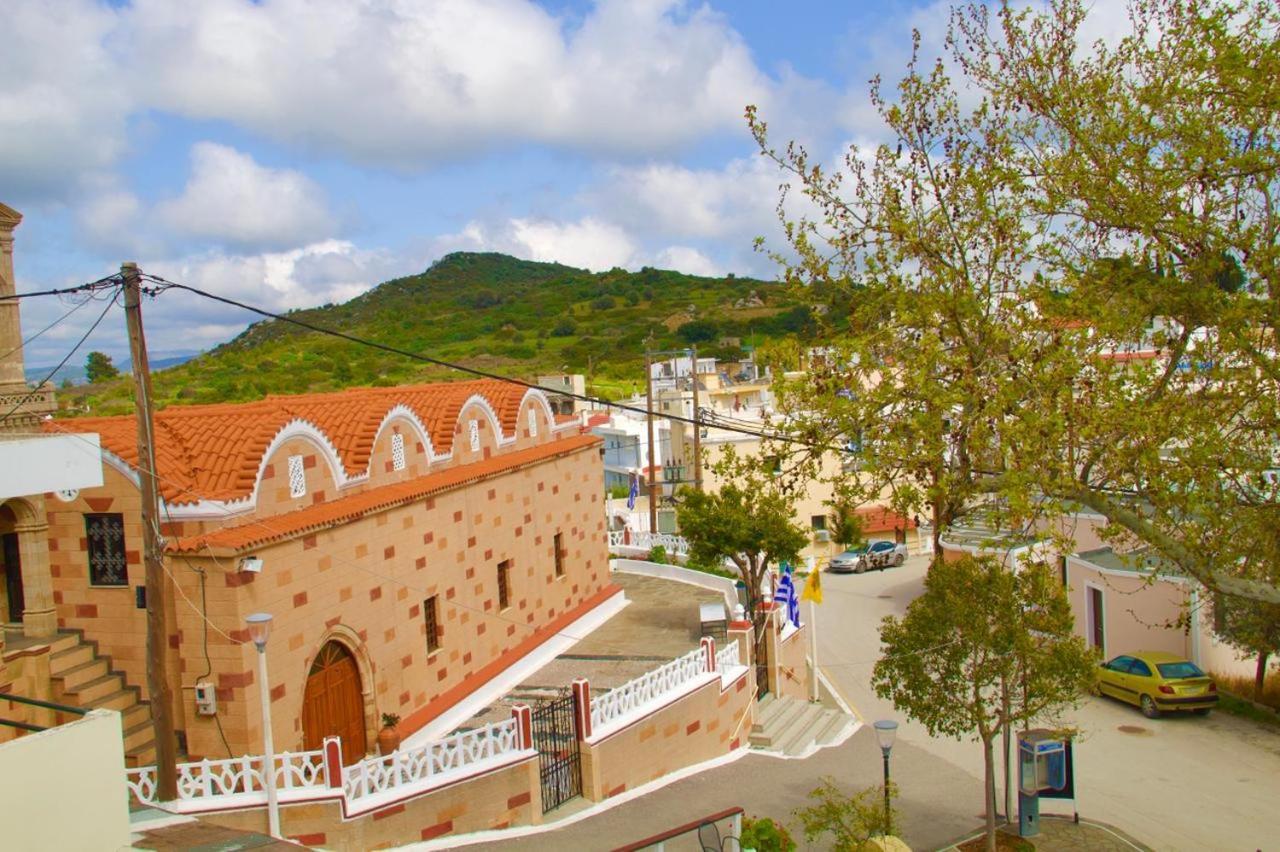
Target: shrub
{"type": "Point", "coordinates": [604, 303]}
{"type": "Point", "coordinates": [564, 328]}
{"type": "Point", "coordinates": [765, 835]}
{"type": "Point", "coordinates": [658, 554]}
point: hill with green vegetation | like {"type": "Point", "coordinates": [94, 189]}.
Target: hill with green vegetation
{"type": "Point", "coordinates": [513, 317]}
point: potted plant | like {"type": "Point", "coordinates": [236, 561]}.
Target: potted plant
{"type": "Point", "coordinates": [389, 736]}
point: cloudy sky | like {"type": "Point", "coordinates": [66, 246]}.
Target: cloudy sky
{"type": "Point", "coordinates": [296, 152]}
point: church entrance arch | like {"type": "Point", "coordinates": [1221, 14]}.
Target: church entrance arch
{"type": "Point", "coordinates": [334, 704]}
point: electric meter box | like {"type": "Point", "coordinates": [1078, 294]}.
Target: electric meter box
{"type": "Point", "coordinates": [206, 699]}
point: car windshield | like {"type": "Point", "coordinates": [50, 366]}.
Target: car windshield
{"type": "Point", "coordinates": [1174, 671]}
{"type": "Point", "coordinates": [857, 551]}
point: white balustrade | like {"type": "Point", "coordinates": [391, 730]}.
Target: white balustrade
{"type": "Point", "coordinates": [432, 762]}
{"type": "Point", "coordinates": [635, 693]}
{"type": "Point", "coordinates": [673, 544]}
{"type": "Point", "coordinates": [208, 779]}
{"type": "Point", "coordinates": [727, 657]}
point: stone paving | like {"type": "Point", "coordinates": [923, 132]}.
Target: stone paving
{"type": "Point", "coordinates": [1062, 835]}
{"type": "Point", "coordinates": [206, 837]}
{"type": "Point", "coordinates": [659, 624]}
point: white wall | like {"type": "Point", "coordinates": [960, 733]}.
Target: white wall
{"type": "Point", "coordinates": [64, 788]}
{"type": "Point", "coordinates": [38, 463]}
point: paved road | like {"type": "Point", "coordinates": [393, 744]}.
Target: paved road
{"type": "Point", "coordinates": [1175, 783]}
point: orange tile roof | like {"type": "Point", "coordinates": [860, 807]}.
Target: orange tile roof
{"type": "Point", "coordinates": [883, 519]}
{"type": "Point", "coordinates": [345, 509]}
{"type": "Point", "coordinates": [213, 452]}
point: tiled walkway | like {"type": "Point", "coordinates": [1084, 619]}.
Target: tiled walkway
{"type": "Point", "coordinates": [206, 837]}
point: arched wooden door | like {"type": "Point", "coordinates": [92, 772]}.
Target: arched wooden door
{"type": "Point", "coordinates": [333, 705]}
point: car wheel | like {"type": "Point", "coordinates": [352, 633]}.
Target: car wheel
{"type": "Point", "coordinates": [1202, 711]}
{"type": "Point", "coordinates": [1149, 708]}
{"type": "Point", "coordinates": [899, 559]}
{"type": "Point", "coordinates": [860, 567]}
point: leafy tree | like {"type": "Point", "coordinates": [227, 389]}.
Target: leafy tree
{"type": "Point", "coordinates": [603, 303]}
{"type": "Point", "coordinates": [850, 820]}
{"type": "Point", "coordinates": [749, 521]}
{"type": "Point", "coordinates": [845, 525]}
{"type": "Point", "coordinates": [997, 251]}
{"type": "Point", "coordinates": [765, 835]}
{"type": "Point", "coordinates": [1251, 627]}
{"type": "Point", "coordinates": [697, 331]}
{"type": "Point", "coordinates": [98, 367]}
{"type": "Point", "coordinates": [565, 327]}
{"type": "Point", "coordinates": [984, 648]}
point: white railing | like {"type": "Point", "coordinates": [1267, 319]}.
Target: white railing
{"type": "Point", "coordinates": [727, 657]}
{"type": "Point", "coordinates": [207, 779]}
{"type": "Point", "coordinates": [673, 544]}
{"type": "Point", "coordinates": [634, 693]}
{"type": "Point", "coordinates": [431, 762]}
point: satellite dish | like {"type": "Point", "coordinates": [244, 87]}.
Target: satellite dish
{"type": "Point", "coordinates": [67, 495]}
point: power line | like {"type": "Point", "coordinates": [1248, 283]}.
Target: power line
{"type": "Point", "coordinates": [110, 280]}
{"type": "Point", "coordinates": [36, 336]}
{"type": "Point", "coordinates": [65, 359]}
{"type": "Point", "coordinates": [484, 374]}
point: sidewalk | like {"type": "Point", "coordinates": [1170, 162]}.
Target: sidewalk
{"type": "Point", "coordinates": [1058, 834]}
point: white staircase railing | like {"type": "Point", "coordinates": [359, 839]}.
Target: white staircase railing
{"type": "Point", "coordinates": [616, 703]}
{"type": "Point", "coordinates": [432, 762]}
{"type": "Point", "coordinates": [727, 657]}
{"type": "Point", "coordinates": [209, 779]}
{"type": "Point", "coordinates": [673, 544]}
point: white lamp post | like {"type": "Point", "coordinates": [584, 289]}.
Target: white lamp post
{"type": "Point", "coordinates": [259, 631]}
{"type": "Point", "coordinates": [886, 733]}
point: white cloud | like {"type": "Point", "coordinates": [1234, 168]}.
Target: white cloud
{"type": "Point", "coordinates": [232, 199]}
{"type": "Point", "coordinates": [587, 243]}
{"type": "Point", "coordinates": [736, 201]}
{"type": "Point", "coordinates": [687, 260]}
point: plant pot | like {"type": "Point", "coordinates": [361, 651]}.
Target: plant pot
{"type": "Point", "coordinates": [388, 740]}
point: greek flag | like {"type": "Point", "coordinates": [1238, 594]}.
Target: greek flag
{"type": "Point", "coordinates": [635, 489]}
{"type": "Point", "coordinates": [786, 594]}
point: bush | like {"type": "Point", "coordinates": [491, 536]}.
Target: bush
{"type": "Point", "coordinates": [604, 303]}
{"type": "Point", "coordinates": [658, 554]}
{"type": "Point", "coordinates": [765, 835]}
{"type": "Point", "coordinates": [564, 328]}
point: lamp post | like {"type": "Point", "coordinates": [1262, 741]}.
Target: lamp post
{"type": "Point", "coordinates": [886, 733]}
{"type": "Point", "coordinates": [259, 630]}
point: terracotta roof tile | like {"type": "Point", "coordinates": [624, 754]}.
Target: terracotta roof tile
{"type": "Point", "coordinates": [292, 524]}
{"type": "Point", "coordinates": [214, 451]}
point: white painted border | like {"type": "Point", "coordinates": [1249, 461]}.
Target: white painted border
{"type": "Point", "coordinates": [402, 410]}
{"type": "Point", "coordinates": [701, 579]}
{"type": "Point", "coordinates": [517, 672]}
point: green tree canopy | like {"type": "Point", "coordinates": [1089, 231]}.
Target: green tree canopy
{"type": "Point", "coordinates": [982, 649]}
{"type": "Point", "coordinates": [98, 367]}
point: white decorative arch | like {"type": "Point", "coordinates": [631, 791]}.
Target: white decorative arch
{"type": "Point", "coordinates": [402, 410]}
{"type": "Point", "coordinates": [308, 431]}
{"type": "Point", "coordinates": [533, 395]}
{"type": "Point", "coordinates": [487, 410]}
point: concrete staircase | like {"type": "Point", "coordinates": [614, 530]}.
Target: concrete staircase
{"type": "Point", "coordinates": [84, 678]}
{"type": "Point", "coordinates": [796, 728]}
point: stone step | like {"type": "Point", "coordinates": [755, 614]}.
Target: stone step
{"type": "Point", "coordinates": [69, 658]}
{"type": "Point", "coordinates": [802, 732]}
{"type": "Point", "coordinates": [121, 700]}
{"type": "Point", "coordinates": [77, 676]}
{"type": "Point", "coordinates": [91, 690]}
{"type": "Point", "coordinates": [135, 715]}
{"type": "Point", "coordinates": [139, 736]}
{"type": "Point", "coordinates": [835, 727]}
{"type": "Point", "coordinates": [768, 728]}
{"type": "Point", "coordinates": [64, 642]}
{"type": "Point", "coordinates": [145, 756]}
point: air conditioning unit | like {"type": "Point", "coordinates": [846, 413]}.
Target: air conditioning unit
{"type": "Point", "coordinates": [822, 536]}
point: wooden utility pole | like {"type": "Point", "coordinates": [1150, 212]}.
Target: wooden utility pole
{"type": "Point", "coordinates": [648, 383]}
{"type": "Point", "coordinates": [157, 622]}
{"type": "Point", "coordinates": [697, 423]}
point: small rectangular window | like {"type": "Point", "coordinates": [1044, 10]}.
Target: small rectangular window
{"type": "Point", "coordinates": [559, 546]}
{"type": "Point", "coordinates": [108, 565]}
{"type": "Point", "coordinates": [397, 452]}
{"type": "Point", "coordinates": [297, 477]}
{"type": "Point", "coordinates": [431, 617]}
{"type": "Point", "coordinates": [504, 584]}
{"type": "Point", "coordinates": [819, 522]}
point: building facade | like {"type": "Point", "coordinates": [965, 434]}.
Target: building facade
{"type": "Point", "coordinates": [410, 543]}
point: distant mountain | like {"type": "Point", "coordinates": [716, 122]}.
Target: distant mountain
{"type": "Point", "coordinates": [514, 317]}
{"type": "Point", "coordinates": [76, 375]}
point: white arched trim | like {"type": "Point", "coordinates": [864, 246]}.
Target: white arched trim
{"type": "Point", "coordinates": [402, 410]}
{"type": "Point", "coordinates": [487, 410]}
{"type": "Point", "coordinates": [537, 397]}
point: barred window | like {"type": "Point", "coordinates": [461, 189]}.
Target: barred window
{"type": "Point", "coordinates": [431, 616]}
{"type": "Point", "coordinates": [533, 423]}
{"type": "Point", "coordinates": [397, 452]}
{"type": "Point", "coordinates": [108, 565]}
{"type": "Point", "coordinates": [474, 428]}
{"type": "Point", "coordinates": [504, 584]}
{"type": "Point", "coordinates": [297, 477]}
{"type": "Point", "coordinates": [559, 546]}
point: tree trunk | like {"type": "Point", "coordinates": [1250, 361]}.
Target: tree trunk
{"type": "Point", "coordinates": [1260, 675]}
{"type": "Point", "coordinates": [1005, 733]}
{"type": "Point", "coordinates": [989, 789]}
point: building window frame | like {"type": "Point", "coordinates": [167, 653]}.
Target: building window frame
{"type": "Point", "coordinates": [557, 542]}
{"type": "Point", "coordinates": [297, 477]}
{"type": "Point", "coordinates": [504, 585]}
{"type": "Point", "coordinates": [397, 452]}
{"type": "Point", "coordinates": [431, 622]}
{"type": "Point", "coordinates": [105, 550]}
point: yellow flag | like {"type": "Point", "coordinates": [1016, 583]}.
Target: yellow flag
{"type": "Point", "coordinates": [813, 586]}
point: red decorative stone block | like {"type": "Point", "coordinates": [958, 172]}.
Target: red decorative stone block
{"type": "Point", "coordinates": [299, 599]}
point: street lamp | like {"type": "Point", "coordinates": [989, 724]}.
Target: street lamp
{"type": "Point", "coordinates": [886, 733]}
{"type": "Point", "coordinates": [259, 631]}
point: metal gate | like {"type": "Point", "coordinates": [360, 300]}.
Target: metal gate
{"type": "Point", "coordinates": [559, 762]}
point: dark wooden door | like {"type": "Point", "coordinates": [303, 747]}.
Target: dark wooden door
{"type": "Point", "coordinates": [13, 575]}
{"type": "Point", "coordinates": [333, 705]}
{"type": "Point", "coordinates": [1097, 635]}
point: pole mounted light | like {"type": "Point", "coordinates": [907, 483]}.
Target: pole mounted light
{"type": "Point", "coordinates": [886, 733]}
{"type": "Point", "coordinates": [259, 624]}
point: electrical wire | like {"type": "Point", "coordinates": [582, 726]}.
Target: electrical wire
{"type": "Point", "coordinates": [484, 374]}
{"type": "Point", "coordinates": [62, 291]}
{"type": "Point", "coordinates": [110, 304]}
{"type": "Point", "coordinates": [77, 306]}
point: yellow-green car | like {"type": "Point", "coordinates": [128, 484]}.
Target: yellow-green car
{"type": "Point", "coordinates": [1158, 682]}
